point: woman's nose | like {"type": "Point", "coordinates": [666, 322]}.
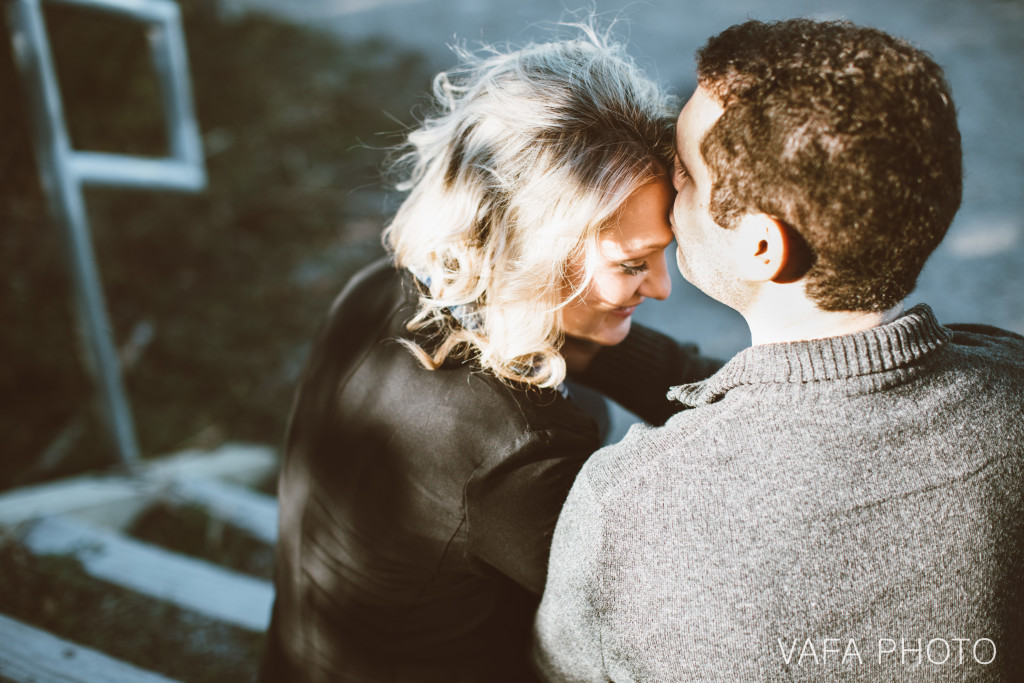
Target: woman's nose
{"type": "Point", "coordinates": [657, 284]}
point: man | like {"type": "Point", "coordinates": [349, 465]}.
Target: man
{"type": "Point", "coordinates": [842, 500]}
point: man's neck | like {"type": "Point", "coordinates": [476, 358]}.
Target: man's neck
{"type": "Point", "coordinates": [792, 319]}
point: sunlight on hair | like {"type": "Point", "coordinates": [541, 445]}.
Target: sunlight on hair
{"type": "Point", "coordinates": [527, 157]}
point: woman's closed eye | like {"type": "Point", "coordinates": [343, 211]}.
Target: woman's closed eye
{"type": "Point", "coordinates": [634, 268]}
{"type": "Point", "coordinates": [679, 174]}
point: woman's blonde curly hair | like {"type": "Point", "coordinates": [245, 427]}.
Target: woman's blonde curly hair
{"type": "Point", "coordinates": [530, 154]}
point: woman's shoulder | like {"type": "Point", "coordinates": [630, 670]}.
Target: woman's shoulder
{"type": "Point", "coordinates": [492, 406]}
{"type": "Point", "coordinates": [367, 370]}
{"type": "Point", "coordinates": [373, 287]}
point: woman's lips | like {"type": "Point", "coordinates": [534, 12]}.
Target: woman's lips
{"type": "Point", "coordinates": [624, 311]}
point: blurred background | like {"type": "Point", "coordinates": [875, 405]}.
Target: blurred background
{"type": "Point", "coordinates": [217, 294]}
{"type": "Point", "coordinates": [214, 297]}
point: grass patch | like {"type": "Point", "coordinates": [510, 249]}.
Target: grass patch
{"type": "Point", "coordinates": [190, 530]}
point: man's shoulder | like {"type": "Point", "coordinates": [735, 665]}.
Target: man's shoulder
{"type": "Point", "coordinates": [989, 342]}
{"type": "Point", "coordinates": [640, 461]}
{"type": "Point", "coordinates": [988, 357]}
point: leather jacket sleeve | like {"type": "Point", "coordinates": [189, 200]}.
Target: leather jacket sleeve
{"type": "Point", "coordinates": [513, 501]}
{"type": "Point", "coordinates": [638, 372]}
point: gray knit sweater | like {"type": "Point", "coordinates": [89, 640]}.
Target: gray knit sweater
{"type": "Point", "coordinates": [840, 509]}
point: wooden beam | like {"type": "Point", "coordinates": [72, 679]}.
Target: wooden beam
{"type": "Point", "coordinates": [189, 583]}
{"type": "Point", "coordinates": [108, 501]}
{"type": "Point", "coordinates": [29, 655]}
{"type": "Point", "coordinates": [114, 501]}
{"type": "Point", "coordinates": [246, 464]}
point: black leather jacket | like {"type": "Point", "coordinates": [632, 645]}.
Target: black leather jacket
{"type": "Point", "coordinates": [417, 506]}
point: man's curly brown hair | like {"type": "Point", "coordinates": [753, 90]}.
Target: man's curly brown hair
{"type": "Point", "coordinates": [845, 134]}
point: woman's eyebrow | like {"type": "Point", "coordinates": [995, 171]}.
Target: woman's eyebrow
{"type": "Point", "coordinates": [643, 249]}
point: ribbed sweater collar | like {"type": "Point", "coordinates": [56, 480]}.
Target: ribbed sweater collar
{"type": "Point", "coordinates": [893, 346]}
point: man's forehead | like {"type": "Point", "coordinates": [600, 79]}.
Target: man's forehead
{"type": "Point", "coordinates": [699, 114]}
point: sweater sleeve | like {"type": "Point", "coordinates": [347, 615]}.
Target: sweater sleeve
{"type": "Point", "coordinates": [638, 372]}
{"type": "Point", "coordinates": [567, 631]}
{"type": "Point", "coordinates": [512, 504]}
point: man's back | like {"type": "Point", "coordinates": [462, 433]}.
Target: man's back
{"type": "Point", "coordinates": [850, 506]}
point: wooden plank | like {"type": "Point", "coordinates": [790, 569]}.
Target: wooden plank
{"type": "Point", "coordinates": [190, 583]}
{"type": "Point", "coordinates": [29, 655]}
{"type": "Point", "coordinates": [109, 501]}
{"type": "Point", "coordinates": [246, 464]}
{"type": "Point", "coordinates": [115, 501]}
{"type": "Point", "coordinates": [236, 505]}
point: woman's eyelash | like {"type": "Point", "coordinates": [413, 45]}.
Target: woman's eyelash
{"type": "Point", "coordinates": [634, 270]}
{"type": "Point", "coordinates": [679, 170]}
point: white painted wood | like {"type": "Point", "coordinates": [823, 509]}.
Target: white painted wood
{"type": "Point", "coordinates": [236, 505]}
{"type": "Point", "coordinates": [29, 655]}
{"type": "Point", "coordinates": [108, 501]}
{"type": "Point", "coordinates": [247, 464]}
{"type": "Point", "coordinates": [115, 501]}
{"type": "Point", "coordinates": [193, 584]}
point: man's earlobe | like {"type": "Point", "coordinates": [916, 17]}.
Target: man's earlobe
{"type": "Point", "coordinates": [763, 247]}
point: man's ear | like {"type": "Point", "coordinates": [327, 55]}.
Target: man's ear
{"type": "Point", "coordinates": [763, 247]}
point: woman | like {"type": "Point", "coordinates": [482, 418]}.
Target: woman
{"type": "Point", "coordinates": [433, 442]}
